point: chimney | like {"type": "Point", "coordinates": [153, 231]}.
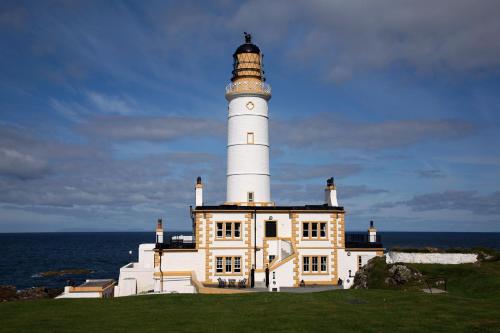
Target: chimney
{"type": "Point", "coordinates": [331, 193]}
{"type": "Point", "coordinates": [159, 231]}
{"type": "Point", "coordinates": [372, 233]}
{"type": "Point", "coordinates": [198, 192]}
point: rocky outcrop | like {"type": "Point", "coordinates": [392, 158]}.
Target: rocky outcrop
{"type": "Point", "coordinates": [401, 274]}
{"type": "Point", "coordinates": [67, 272]}
{"type": "Point", "coordinates": [9, 293]}
{"type": "Point", "coordinates": [378, 274]}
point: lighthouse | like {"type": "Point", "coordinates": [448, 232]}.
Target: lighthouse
{"type": "Point", "coordinates": [248, 177]}
{"type": "Point", "coordinates": [248, 240]}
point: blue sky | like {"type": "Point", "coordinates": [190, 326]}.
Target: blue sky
{"type": "Point", "coordinates": [109, 110]}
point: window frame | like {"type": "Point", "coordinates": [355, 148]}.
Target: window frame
{"type": "Point", "coordinates": [311, 230]}
{"type": "Point", "coordinates": [234, 263]}
{"type": "Point", "coordinates": [311, 262]}
{"type": "Point", "coordinates": [217, 269]}
{"type": "Point", "coordinates": [236, 269]}
{"type": "Point", "coordinates": [304, 264]}
{"type": "Point", "coordinates": [321, 230]}
{"type": "Point", "coordinates": [305, 231]}
{"type": "Point", "coordinates": [325, 264]}
{"type": "Point", "coordinates": [234, 229]}
{"type": "Point", "coordinates": [228, 232]}
{"type": "Point", "coordinates": [250, 138]}
{"type": "Point", "coordinates": [221, 230]}
{"type": "Point", "coordinates": [228, 262]}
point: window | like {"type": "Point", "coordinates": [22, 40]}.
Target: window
{"type": "Point", "coordinates": [228, 230]}
{"type": "Point", "coordinates": [305, 230]}
{"type": "Point", "coordinates": [323, 264]}
{"type": "Point", "coordinates": [315, 264]}
{"type": "Point", "coordinates": [219, 265]}
{"type": "Point", "coordinates": [271, 257]}
{"type": "Point", "coordinates": [220, 230]}
{"type": "Point", "coordinates": [237, 232]}
{"type": "Point", "coordinates": [322, 230]}
{"type": "Point", "coordinates": [237, 264]}
{"type": "Point", "coordinates": [314, 230]}
{"type": "Point", "coordinates": [305, 264]}
{"type": "Point", "coordinates": [229, 264]}
{"type": "Point", "coordinates": [250, 137]}
{"type": "Point", "coordinates": [271, 229]}
{"type": "Point", "coordinates": [360, 262]}
{"type": "Point", "coordinates": [250, 196]}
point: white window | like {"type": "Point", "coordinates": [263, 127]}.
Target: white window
{"type": "Point", "coordinates": [220, 230]}
{"type": "Point", "coordinates": [237, 264]}
{"type": "Point", "coordinates": [219, 265]}
{"type": "Point", "coordinates": [250, 137]}
{"type": "Point", "coordinates": [314, 230]}
{"type": "Point", "coordinates": [237, 232]}
{"type": "Point", "coordinates": [229, 264]}
{"type": "Point", "coordinates": [323, 264]}
{"type": "Point", "coordinates": [314, 264]}
{"type": "Point", "coordinates": [322, 230]}
{"type": "Point", "coordinates": [229, 229]}
{"type": "Point", "coordinates": [305, 230]}
{"type": "Point", "coordinates": [305, 264]}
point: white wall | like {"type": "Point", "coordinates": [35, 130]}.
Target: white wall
{"type": "Point", "coordinates": [430, 258]}
{"type": "Point", "coordinates": [248, 164]}
{"type": "Point", "coordinates": [350, 262]}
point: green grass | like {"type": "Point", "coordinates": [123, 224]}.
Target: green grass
{"type": "Point", "coordinates": [472, 305]}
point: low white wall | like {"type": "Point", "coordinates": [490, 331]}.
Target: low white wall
{"type": "Point", "coordinates": [430, 258]}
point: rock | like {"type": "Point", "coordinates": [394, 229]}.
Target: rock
{"type": "Point", "coordinates": [8, 293]}
{"type": "Point", "coordinates": [67, 272]}
{"type": "Point", "coordinates": [362, 276]}
{"type": "Point", "coordinates": [401, 274]}
{"type": "Point", "coordinates": [377, 274]}
{"type": "Point", "coordinates": [39, 293]}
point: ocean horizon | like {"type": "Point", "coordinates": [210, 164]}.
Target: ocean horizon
{"type": "Point", "coordinates": [24, 256]}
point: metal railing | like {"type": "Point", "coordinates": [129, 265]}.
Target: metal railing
{"type": "Point", "coordinates": [362, 240]}
{"type": "Point", "coordinates": [248, 86]}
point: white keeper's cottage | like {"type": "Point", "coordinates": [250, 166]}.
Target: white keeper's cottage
{"type": "Point", "coordinates": [249, 240]}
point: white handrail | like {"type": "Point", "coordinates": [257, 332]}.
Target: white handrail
{"type": "Point", "coordinates": [240, 86]}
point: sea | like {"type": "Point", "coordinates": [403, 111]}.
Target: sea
{"type": "Point", "coordinates": [24, 256]}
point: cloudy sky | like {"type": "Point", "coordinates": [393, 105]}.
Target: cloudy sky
{"type": "Point", "coordinates": [109, 110]}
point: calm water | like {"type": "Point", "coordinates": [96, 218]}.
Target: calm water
{"type": "Point", "coordinates": [24, 256]}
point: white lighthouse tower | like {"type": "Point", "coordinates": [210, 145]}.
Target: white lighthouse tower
{"type": "Point", "coordinates": [248, 178]}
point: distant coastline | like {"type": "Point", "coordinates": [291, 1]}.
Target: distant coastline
{"type": "Point", "coordinates": [26, 255]}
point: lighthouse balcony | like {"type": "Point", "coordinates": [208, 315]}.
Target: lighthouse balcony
{"type": "Point", "coordinates": [244, 87]}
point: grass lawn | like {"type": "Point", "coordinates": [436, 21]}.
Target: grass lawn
{"type": "Point", "coordinates": [472, 305]}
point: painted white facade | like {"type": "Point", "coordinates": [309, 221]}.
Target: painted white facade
{"type": "Point", "coordinates": [430, 258]}
{"type": "Point", "coordinates": [248, 149]}
{"type": "Point", "coordinates": [91, 288]}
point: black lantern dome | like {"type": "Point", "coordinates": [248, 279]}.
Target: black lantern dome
{"type": "Point", "coordinates": [248, 47]}
{"type": "Point", "coordinates": [248, 61]}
